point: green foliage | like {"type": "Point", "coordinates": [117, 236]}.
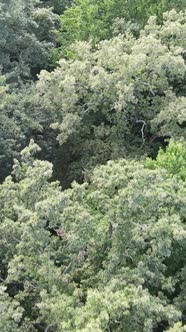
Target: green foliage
{"type": "Point", "coordinates": [123, 99]}
{"type": "Point", "coordinates": [10, 312]}
{"type": "Point", "coordinates": [58, 5]}
{"type": "Point", "coordinates": [10, 131]}
{"type": "Point", "coordinates": [19, 121]}
{"type": "Point", "coordinates": [105, 255]}
{"type": "Point", "coordinates": [108, 254]}
{"type": "Point", "coordinates": [173, 160]}
{"type": "Point", "coordinates": [95, 20]}
{"type": "Point", "coordinates": [25, 39]}
{"type": "Point", "coordinates": [178, 328]}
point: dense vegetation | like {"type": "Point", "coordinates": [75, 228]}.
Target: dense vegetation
{"type": "Point", "coordinates": [93, 166]}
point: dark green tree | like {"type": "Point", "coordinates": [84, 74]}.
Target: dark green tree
{"type": "Point", "coordinates": [58, 6]}
{"type": "Point", "coordinates": [25, 39]}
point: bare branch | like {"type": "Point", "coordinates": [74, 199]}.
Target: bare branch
{"type": "Point", "coordinates": [47, 328]}
{"type": "Point", "coordinates": [151, 91]}
{"type": "Point", "coordinates": [110, 230]}
{"type": "Point", "coordinates": [67, 268]}
{"type": "Point", "coordinates": [142, 129]}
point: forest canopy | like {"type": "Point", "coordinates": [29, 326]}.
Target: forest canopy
{"type": "Point", "coordinates": [108, 253]}
{"type": "Point", "coordinates": [92, 166]}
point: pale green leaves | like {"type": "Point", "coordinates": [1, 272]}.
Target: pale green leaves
{"type": "Point", "coordinates": [105, 254]}
{"type": "Point", "coordinates": [119, 98]}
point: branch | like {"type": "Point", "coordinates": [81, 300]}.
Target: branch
{"type": "Point", "coordinates": [67, 268]}
{"type": "Point", "coordinates": [151, 91]}
{"type": "Point", "coordinates": [110, 230]}
{"type": "Point", "coordinates": [47, 328]}
{"type": "Point", "coordinates": [142, 129]}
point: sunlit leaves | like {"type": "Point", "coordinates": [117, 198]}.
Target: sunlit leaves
{"type": "Point", "coordinates": [108, 253]}
{"type": "Point", "coordinates": [122, 99]}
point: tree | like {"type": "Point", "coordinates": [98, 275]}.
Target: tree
{"type": "Point", "coordinates": [26, 38]}
{"type": "Point", "coordinates": [11, 312]}
{"type": "Point", "coordinates": [123, 99]}
{"type": "Point", "coordinates": [95, 20]}
{"type": "Point", "coordinates": [19, 122]}
{"type": "Point", "coordinates": [58, 6]}
{"type": "Point", "coordinates": [108, 254]}
{"type": "Point", "coordinates": [173, 160]}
